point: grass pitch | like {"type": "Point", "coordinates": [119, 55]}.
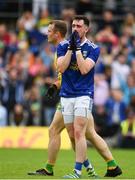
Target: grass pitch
{"type": "Point", "coordinates": [15, 163]}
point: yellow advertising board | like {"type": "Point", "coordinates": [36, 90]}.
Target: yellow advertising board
{"type": "Point", "coordinates": [29, 137]}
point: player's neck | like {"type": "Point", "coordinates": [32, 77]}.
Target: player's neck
{"type": "Point", "coordinates": [59, 40]}
{"type": "Point", "coordinates": [83, 40]}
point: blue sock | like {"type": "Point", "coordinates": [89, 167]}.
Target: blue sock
{"type": "Point", "coordinates": [87, 164]}
{"type": "Point", "coordinates": [78, 167]}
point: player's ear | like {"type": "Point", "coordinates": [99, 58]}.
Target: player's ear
{"type": "Point", "coordinates": [56, 34]}
{"type": "Point", "coordinates": [86, 29]}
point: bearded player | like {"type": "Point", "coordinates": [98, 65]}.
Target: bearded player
{"type": "Point", "coordinates": [57, 30]}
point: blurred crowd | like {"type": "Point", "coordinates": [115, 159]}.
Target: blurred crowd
{"type": "Point", "coordinates": [27, 69]}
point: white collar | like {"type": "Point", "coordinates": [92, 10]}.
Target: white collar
{"type": "Point", "coordinates": [84, 41]}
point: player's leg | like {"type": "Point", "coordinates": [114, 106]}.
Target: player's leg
{"type": "Point", "coordinates": [102, 148]}
{"type": "Point", "coordinates": [55, 129]}
{"type": "Point", "coordinates": [87, 164]}
{"type": "Point", "coordinates": [70, 129]}
{"type": "Point", "coordinates": [97, 141]}
{"type": "Point", "coordinates": [72, 136]}
{"type": "Point", "coordinates": [79, 126]}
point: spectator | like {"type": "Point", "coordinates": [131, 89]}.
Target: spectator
{"type": "Point", "coordinates": [101, 85]}
{"type": "Point", "coordinates": [2, 82]}
{"type": "Point", "coordinates": [100, 116]}
{"type": "Point", "coordinates": [116, 112]}
{"type": "Point", "coordinates": [67, 14]}
{"type": "Point", "coordinates": [108, 20]}
{"type": "Point", "coordinates": [84, 7]}
{"type": "Point", "coordinates": [110, 4]}
{"type": "Point", "coordinates": [37, 68]}
{"type": "Point", "coordinates": [4, 34]}
{"type": "Point", "coordinates": [43, 21]}
{"type": "Point", "coordinates": [2, 55]}
{"type": "Point", "coordinates": [133, 67]}
{"type": "Point", "coordinates": [22, 34]}
{"type": "Point", "coordinates": [39, 5]}
{"type": "Point", "coordinates": [28, 20]}
{"type": "Point", "coordinates": [131, 53]}
{"type": "Point", "coordinates": [19, 116]}
{"type": "Point", "coordinates": [107, 37]}
{"type": "Point", "coordinates": [3, 116]}
{"type": "Point", "coordinates": [47, 55]}
{"type": "Point", "coordinates": [108, 72]}
{"type": "Point", "coordinates": [127, 138]}
{"type": "Point", "coordinates": [33, 105]}
{"type": "Point", "coordinates": [129, 21]}
{"type": "Point", "coordinates": [128, 88]}
{"type": "Point", "coordinates": [120, 70]}
{"type": "Point", "coordinates": [55, 7]}
{"type": "Point", "coordinates": [128, 6]}
{"type": "Point", "coordinates": [13, 91]}
{"type": "Point", "coordinates": [105, 58]}
{"type": "Point", "coordinates": [132, 103]}
{"type": "Point", "coordinates": [13, 45]}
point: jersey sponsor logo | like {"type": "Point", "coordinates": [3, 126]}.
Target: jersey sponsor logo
{"type": "Point", "coordinates": [84, 53]}
{"type": "Point", "coordinates": [74, 66]}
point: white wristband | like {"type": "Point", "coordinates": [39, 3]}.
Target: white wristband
{"type": "Point", "coordinates": [78, 52]}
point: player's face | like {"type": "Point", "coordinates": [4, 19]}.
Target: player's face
{"type": "Point", "coordinates": [80, 27]}
{"type": "Point", "coordinates": [51, 34]}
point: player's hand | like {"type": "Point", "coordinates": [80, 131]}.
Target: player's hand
{"type": "Point", "coordinates": [72, 45]}
{"type": "Point", "coordinates": [77, 41]}
{"type": "Point", "coordinates": [52, 91]}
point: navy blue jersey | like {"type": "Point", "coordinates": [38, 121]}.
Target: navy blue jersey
{"type": "Point", "coordinates": [74, 84]}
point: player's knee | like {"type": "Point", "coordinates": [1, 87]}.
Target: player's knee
{"type": "Point", "coordinates": [52, 131]}
{"type": "Point", "coordinates": [78, 134]}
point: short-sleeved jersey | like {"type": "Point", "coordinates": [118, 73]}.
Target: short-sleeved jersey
{"type": "Point", "coordinates": [74, 84]}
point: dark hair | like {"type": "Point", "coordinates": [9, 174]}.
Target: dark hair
{"type": "Point", "coordinates": [60, 26]}
{"type": "Point", "coordinates": [82, 17]}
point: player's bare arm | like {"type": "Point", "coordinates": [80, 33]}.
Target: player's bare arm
{"type": "Point", "coordinates": [84, 65]}
{"type": "Point", "coordinates": [64, 61]}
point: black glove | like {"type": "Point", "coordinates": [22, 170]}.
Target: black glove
{"type": "Point", "coordinates": [52, 91]}
{"type": "Point", "coordinates": [74, 42]}
{"type": "Point", "coordinates": [77, 41]}
{"type": "Point", "coordinates": [72, 45]}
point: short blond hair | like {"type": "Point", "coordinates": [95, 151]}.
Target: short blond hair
{"type": "Point", "coordinates": [60, 26]}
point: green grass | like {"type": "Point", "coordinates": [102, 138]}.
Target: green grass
{"type": "Point", "coordinates": [15, 163]}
